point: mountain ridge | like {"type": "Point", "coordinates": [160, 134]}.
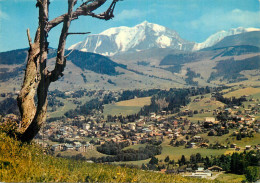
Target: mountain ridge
{"type": "Point", "coordinates": [144, 36]}
{"type": "Point", "coordinates": [219, 36]}
{"type": "Point", "coordinates": [140, 37]}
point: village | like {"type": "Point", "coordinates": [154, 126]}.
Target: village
{"type": "Point", "coordinates": [80, 136]}
{"type": "Point", "coordinates": [181, 131]}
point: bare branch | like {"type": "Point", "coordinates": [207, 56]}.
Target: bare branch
{"type": "Point", "coordinates": [88, 1]}
{"type": "Point", "coordinates": [29, 38]}
{"type": "Point", "coordinates": [86, 9]}
{"type": "Point", "coordinates": [69, 54]}
{"type": "Point", "coordinates": [78, 33]}
{"type": "Point", "coordinates": [60, 59]}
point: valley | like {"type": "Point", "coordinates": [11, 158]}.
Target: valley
{"type": "Point", "coordinates": [180, 131]}
{"type": "Point", "coordinates": [151, 101]}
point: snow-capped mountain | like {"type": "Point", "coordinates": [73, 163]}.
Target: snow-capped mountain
{"type": "Point", "coordinates": [140, 37]}
{"type": "Point", "coordinates": [145, 36]}
{"type": "Point", "coordinates": [215, 38]}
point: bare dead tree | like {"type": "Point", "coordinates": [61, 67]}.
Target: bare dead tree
{"type": "Point", "coordinates": [37, 78]}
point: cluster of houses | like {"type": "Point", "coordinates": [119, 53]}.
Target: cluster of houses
{"type": "Point", "coordinates": [142, 130]}
{"type": "Point", "coordinates": [74, 146]}
{"type": "Point", "coordinates": [76, 133]}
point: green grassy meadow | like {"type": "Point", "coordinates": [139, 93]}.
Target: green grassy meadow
{"type": "Point", "coordinates": [228, 177]}
{"type": "Point", "coordinates": [28, 163]}
{"type": "Point", "coordinates": [126, 107]}
{"type": "Point", "coordinates": [112, 109]}
{"type": "Point", "coordinates": [68, 105]}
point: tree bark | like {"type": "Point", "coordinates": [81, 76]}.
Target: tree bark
{"type": "Point", "coordinates": [25, 98]}
{"type": "Point", "coordinates": [30, 129]}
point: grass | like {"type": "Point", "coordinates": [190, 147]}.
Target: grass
{"type": "Point", "coordinates": [204, 103]}
{"type": "Point", "coordinates": [88, 154]}
{"type": "Point", "coordinates": [200, 117]}
{"type": "Point", "coordinates": [247, 141]}
{"type": "Point", "coordinates": [27, 163]}
{"type": "Point", "coordinates": [256, 96]}
{"type": "Point", "coordinates": [220, 139]}
{"type": "Point", "coordinates": [140, 102]}
{"type": "Point", "coordinates": [243, 91]}
{"type": "Point", "coordinates": [68, 105]}
{"type": "Point", "coordinates": [228, 177]}
{"type": "Point", "coordinates": [120, 110]}
{"type": "Point", "coordinates": [126, 107]}
{"type": "Point", "coordinates": [176, 152]}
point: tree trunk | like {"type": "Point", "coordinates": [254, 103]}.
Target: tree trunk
{"type": "Point", "coordinates": [25, 99]}
{"type": "Point", "coordinates": [37, 77]}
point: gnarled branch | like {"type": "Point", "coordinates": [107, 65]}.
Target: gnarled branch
{"type": "Point", "coordinates": [86, 9]}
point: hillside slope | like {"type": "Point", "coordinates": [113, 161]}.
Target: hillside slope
{"type": "Point", "coordinates": [152, 68]}
{"type": "Point", "coordinates": [27, 163]}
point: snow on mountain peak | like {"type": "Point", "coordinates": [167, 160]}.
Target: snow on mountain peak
{"type": "Point", "coordinates": [145, 36]}
{"type": "Point", "coordinates": [215, 38]}
{"type": "Point", "coordinates": [251, 29]}
{"type": "Point", "coordinates": [154, 27]}
{"type": "Point", "coordinates": [140, 37]}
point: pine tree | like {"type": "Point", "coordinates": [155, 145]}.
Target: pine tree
{"type": "Point", "coordinates": [167, 159]}
{"type": "Point", "coordinates": [183, 160]}
{"type": "Point", "coordinates": [153, 161]}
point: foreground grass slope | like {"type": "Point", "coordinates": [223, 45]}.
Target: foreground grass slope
{"type": "Point", "coordinates": [28, 163]}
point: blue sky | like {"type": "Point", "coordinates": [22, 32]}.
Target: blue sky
{"type": "Point", "coordinates": [194, 20]}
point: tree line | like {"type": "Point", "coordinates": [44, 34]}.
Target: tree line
{"type": "Point", "coordinates": [129, 154]}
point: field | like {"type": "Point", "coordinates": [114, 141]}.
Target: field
{"type": "Point", "coordinates": [140, 102]}
{"type": "Point", "coordinates": [88, 154]}
{"type": "Point", "coordinates": [243, 91]}
{"type": "Point", "coordinates": [227, 177]}
{"type": "Point", "coordinates": [126, 107]}
{"type": "Point", "coordinates": [252, 93]}
{"type": "Point", "coordinates": [205, 104]}
{"type": "Point", "coordinates": [176, 152]}
{"type": "Point", "coordinates": [200, 117]}
{"type": "Point", "coordinates": [247, 141]}
{"type": "Point", "coordinates": [68, 105]}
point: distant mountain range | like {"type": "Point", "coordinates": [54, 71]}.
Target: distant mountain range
{"type": "Point", "coordinates": [126, 39]}
{"type": "Point", "coordinates": [219, 36]}
{"type": "Point", "coordinates": [148, 56]}
{"type": "Point", "coordinates": [145, 36]}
